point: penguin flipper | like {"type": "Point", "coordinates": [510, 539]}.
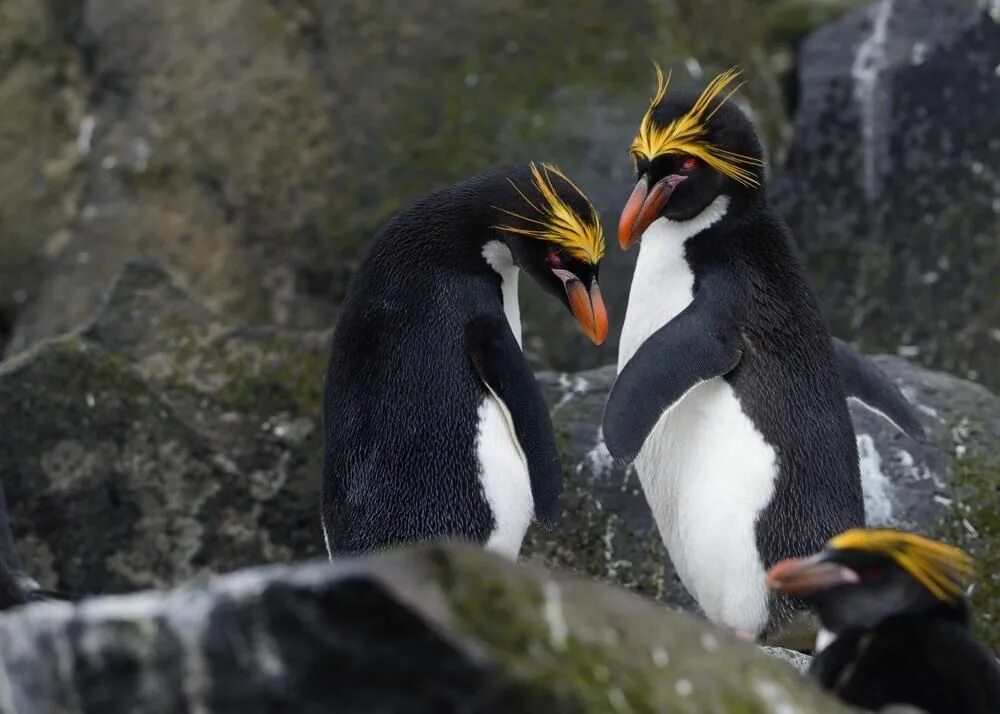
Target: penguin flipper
{"type": "Point", "coordinates": [869, 385]}
{"type": "Point", "coordinates": [502, 367]}
{"type": "Point", "coordinates": [700, 343]}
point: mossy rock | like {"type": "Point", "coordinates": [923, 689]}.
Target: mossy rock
{"type": "Point", "coordinates": [439, 629]}
{"type": "Point", "coordinates": [159, 443]}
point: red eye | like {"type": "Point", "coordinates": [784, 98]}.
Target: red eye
{"type": "Point", "coordinates": [689, 163]}
{"type": "Point", "coordinates": [555, 259]}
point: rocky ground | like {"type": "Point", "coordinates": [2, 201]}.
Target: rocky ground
{"type": "Point", "coordinates": [166, 429]}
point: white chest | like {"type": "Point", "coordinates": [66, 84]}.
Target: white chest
{"type": "Point", "coordinates": [705, 469]}
{"type": "Point", "coordinates": [499, 258]}
{"type": "Point", "coordinates": [503, 472]}
{"type": "Point", "coordinates": [503, 468]}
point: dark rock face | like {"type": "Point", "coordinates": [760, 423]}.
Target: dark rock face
{"type": "Point", "coordinates": [160, 443]}
{"type": "Point", "coordinates": [434, 630]}
{"type": "Point", "coordinates": [890, 183]}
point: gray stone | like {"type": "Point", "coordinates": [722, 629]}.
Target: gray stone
{"type": "Point", "coordinates": [442, 629]}
{"type": "Point", "coordinates": [890, 184]}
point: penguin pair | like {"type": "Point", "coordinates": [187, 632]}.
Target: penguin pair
{"type": "Point", "coordinates": [731, 398]}
{"type": "Point", "coordinates": [435, 427]}
{"type": "Point", "coordinates": [895, 623]}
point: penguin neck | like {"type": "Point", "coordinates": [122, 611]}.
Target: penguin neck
{"type": "Point", "coordinates": [499, 258]}
{"type": "Point", "coordinates": [663, 282]}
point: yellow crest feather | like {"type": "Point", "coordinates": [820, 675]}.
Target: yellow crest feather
{"type": "Point", "coordinates": [943, 569]}
{"type": "Point", "coordinates": [560, 224]}
{"type": "Point", "coordinates": [687, 133]}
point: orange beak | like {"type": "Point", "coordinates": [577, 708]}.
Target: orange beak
{"type": "Point", "coordinates": [588, 309]}
{"type": "Point", "coordinates": [799, 577]}
{"type": "Point", "coordinates": [643, 207]}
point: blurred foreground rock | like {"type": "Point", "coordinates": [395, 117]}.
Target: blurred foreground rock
{"type": "Point", "coordinates": [441, 629]}
{"type": "Point", "coordinates": [891, 184]}
{"type": "Point", "coordinates": [161, 443]}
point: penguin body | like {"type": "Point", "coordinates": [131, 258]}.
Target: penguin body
{"type": "Point", "coordinates": [731, 394]}
{"type": "Point", "coordinates": [435, 427]}
{"type": "Point", "coordinates": [933, 663]}
{"type": "Point", "coordinates": [756, 456]}
{"type": "Point", "coordinates": [896, 623]}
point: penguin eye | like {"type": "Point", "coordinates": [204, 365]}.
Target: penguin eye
{"type": "Point", "coordinates": [874, 573]}
{"type": "Point", "coordinates": [555, 258]}
{"type": "Point", "coordinates": [689, 163]}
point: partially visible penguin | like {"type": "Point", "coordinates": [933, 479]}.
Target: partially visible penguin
{"type": "Point", "coordinates": [435, 427]}
{"type": "Point", "coordinates": [731, 395]}
{"type": "Point", "coordinates": [895, 623]}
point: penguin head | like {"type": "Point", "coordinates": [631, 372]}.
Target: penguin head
{"type": "Point", "coordinates": [865, 576]}
{"type": "Point", "coordinates": [554, 234]}
{"type": "Point", "coordinates": [689, 150]}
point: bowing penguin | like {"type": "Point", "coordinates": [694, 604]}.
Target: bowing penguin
{"type": "Point", "coordinates": [434, 425]}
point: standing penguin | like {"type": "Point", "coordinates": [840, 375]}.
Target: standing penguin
{"type": "Point", "coordinates": [731, 394]}
{"type": "Point", "coordinates": [435, 427]}
{"type": "Point", "coordinates": [895, 623]}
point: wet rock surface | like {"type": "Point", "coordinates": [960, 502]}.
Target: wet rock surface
{"type": "Point", "coordinates": [890, 184]}
{"type": "Point", "coordinates": [442, 629]}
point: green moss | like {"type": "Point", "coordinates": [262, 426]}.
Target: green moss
{"type": "Point", "coordinates": [570, 676]}
{"type": "Point", "coordinates": [975, 526]}
{"type": "Point", "coordinates": [571, 647]}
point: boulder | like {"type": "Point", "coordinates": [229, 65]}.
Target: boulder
{"type": "Point", "coordinates": [440, 629]}
{"type": "Point", "coordinates": [160, 443]}
{"type": "Point", "coordinates": [255, 147]}
{"type": "Point", "coordinates": [890, 183]}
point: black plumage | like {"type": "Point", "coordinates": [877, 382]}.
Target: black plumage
{"type": "Point", "coordinates": [894, 606]}
{"type": "Point", "coordinates": [421, 341]}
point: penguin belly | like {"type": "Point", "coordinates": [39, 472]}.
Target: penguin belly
{"type": "Point", "coordinates": [707, 473]}
{"type": "Point", "coordinates": [706, 470]}
{"type": "Point", "coordinates": [503, 473]}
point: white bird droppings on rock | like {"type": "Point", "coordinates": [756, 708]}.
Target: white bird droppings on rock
{"type": "Point", "coordinates": [660, 657]}
{"type": "Point", "coordinates": [874, 484]}
{"type": "Point", "coordinates": [554, 617]}
{"type": "Point", "coordinates": [684, 687]}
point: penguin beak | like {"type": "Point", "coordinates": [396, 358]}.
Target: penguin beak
{"type": "Point", "coordinates": [800, 577]}
{"type": "Point", "coordinates": [643, 207]}
{"type": "Point", "coordinates": [587, 306]}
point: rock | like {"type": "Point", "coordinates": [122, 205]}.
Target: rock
{"type": "Point", "coordinates": [255, 146]}
{"type": "Point", "coordinates": [160, 443]}
{"type": "Point", "coordinates": [40, 107]}
{"type": "Point", "coordinates": [796, 659]}
{"type": "Point", "coordinates": [890, 185]}
{"type": "Point", "coordinates": [442, 629]}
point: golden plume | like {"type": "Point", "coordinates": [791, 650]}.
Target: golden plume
{"type": "Point", "coordinates": [687, 133]}
{"type": "Point", "coordinates": [943, 569]}
{"type": "Point", "coordinates": [560, 224]}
